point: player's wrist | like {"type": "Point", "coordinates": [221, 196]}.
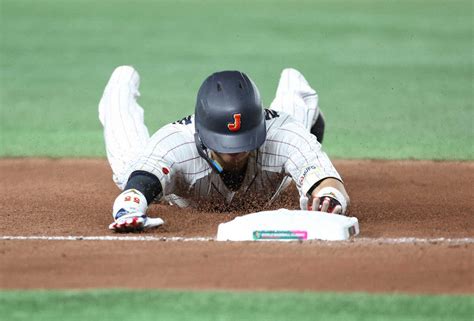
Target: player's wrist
{"type": "Point", "coordinates": [128, 202]}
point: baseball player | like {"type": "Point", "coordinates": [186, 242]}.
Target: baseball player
{"type": "Point", "coordinates": [230, 151]}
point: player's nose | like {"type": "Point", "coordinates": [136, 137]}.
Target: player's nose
{"type": "Point", "coordinates": [236, 155]}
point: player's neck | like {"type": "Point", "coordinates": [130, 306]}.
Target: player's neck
{"type": "Point", "coordinates": [233, 179]}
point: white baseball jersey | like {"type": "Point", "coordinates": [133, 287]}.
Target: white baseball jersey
{"type": "Point", "coordinates": [290, 151]}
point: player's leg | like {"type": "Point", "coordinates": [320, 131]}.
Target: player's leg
{"type": "Point", "coordinates": [295, 96]}
{"type": "Point", "coordinates": [125, 132]}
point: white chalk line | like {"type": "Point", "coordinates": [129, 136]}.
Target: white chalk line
{"type": "Point", "coordinates": [356, 240]}
{"type": "Point", "coordinates": [414, 240]}
{"type": "Point", "coordinates": [109, 238]}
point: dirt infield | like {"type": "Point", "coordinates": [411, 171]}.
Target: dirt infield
{"type": "Point", "coordinates": [423, 199]}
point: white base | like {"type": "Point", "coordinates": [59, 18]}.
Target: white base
{"type": "Point", "coordinates": [288, 225]}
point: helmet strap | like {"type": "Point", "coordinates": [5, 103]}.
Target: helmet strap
{"type": "Point", "coordinates": [201, 151]}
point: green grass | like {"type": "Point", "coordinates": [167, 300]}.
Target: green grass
{"type": "Point", "coordinates": [174, 305]}
{"type": "Point", "coordinates": [395, 78]}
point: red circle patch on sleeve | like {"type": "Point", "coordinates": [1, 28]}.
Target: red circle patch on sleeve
{"type": "Point", "coordinates": [165, 170]}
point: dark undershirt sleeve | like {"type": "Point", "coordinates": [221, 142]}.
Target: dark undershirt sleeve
{"type": "Point", "coordinates": [318, 128]}
{"type": "Point", "coordinates": [145, 182]}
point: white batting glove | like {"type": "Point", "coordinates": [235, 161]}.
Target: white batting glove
{"type": "Point", "coordinates": [129, 213]}
{"type": "Point", "coordinates": [328, 199]}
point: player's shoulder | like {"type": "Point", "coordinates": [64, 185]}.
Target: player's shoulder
{"type": "Point", "coordinates": [277, 121]}
{"type": "Point", "coordinates": [175, 138]}
{"type": "Point", "coordinates": [283, 129]}
{"type": "Point", "coordinates": [179, 130]}
{"type": "Point", "coordinates": [187, 122]}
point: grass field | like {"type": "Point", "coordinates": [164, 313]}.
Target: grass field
{"type": "Point", "coordinates": [395, 80]}
{"type": "Point", "coordinates": [394, 77]}
{"type": "Point", "coordinates": [208, 306]}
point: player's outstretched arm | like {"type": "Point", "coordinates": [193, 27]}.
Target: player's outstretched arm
{"type": "Point", "coordinates": [129, 210]}
{"type": "Point", "coordinates": [328, 196]}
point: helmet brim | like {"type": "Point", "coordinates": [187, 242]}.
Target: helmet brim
{"type": "Point", "coordinates": [234, 143]}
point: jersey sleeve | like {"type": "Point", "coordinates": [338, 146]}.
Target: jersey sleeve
{"type": "Point", "coordinates": [163, 154]}
{"type": "Point", "coordinates": [304, 160]}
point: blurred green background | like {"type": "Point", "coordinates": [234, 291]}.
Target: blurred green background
{"type": "Point", "coordinates": [166, 305]}
{"type": "Point", "coordinates": [395, 78]}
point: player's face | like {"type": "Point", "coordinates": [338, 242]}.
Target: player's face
{"type": "Point", "coordinates": [234, 161]}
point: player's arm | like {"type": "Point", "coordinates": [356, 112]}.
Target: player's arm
{"type": "Point", "coordinates": [151, 177]}
{"type": "Point", "coordinates": [129, 210]}
{"type": "Point", "coordinates": [320, 185]}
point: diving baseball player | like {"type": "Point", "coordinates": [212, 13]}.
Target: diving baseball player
{"type": "Point", "coordinates": [230, 151]}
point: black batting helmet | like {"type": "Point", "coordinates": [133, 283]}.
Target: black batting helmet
{"type": "Point", "coordinates": [229, 115]}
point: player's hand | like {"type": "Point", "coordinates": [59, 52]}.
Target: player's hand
{"type": "Point", "coordinates": [322, 204]}
{"type": "Point", "coordinates": [129, 213]}
{"type": "Point", "coordinates": [133, 222]}
{"type": "Point", "coordinates": [328, 200]}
